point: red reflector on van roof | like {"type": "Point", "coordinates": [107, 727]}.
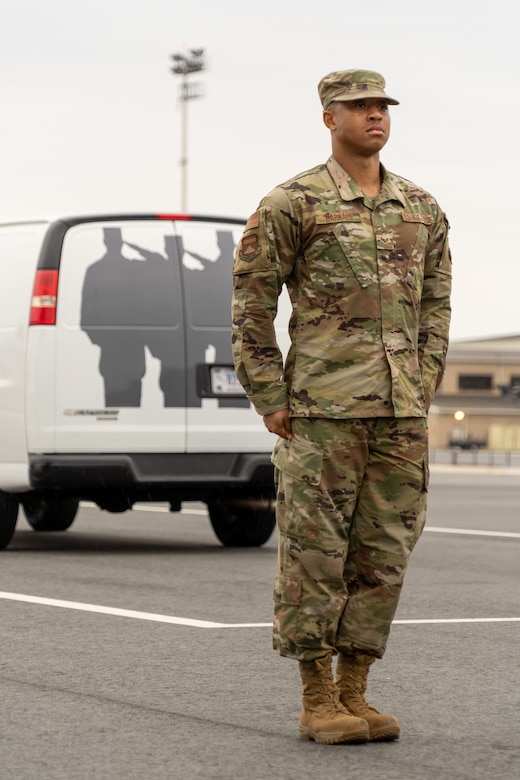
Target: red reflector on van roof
{"type": "Point", "coordinates": [44, 298]}
{"type": "Point", "coordinates": [173, 216]}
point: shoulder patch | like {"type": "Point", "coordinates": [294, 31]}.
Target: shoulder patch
{"type": "Point", "coordinates": [249, 247]}
{"type": "Point", "coordinates": [253, 251]}
{"type": "Point", "coordinates": [253, 221]}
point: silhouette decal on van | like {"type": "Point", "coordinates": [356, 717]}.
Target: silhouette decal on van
{"type": "Point", "coordinates": [131, 302]}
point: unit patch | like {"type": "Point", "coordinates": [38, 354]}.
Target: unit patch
{"type": "Point", "coordinates": [249, 248]}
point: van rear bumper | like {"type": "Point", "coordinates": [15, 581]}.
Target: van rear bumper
{"type": "Point", "coordinates": [82, 473]}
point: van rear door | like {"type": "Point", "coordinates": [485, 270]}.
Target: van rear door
{"type": "Point", "coordinates": [220, 418]}
{"type": "Point", "coordinates": [119, 339]}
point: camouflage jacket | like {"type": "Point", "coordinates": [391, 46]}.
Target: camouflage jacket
{"type": "Point", "coordinates": [369, 282]}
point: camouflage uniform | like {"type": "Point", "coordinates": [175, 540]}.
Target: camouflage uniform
{"type": "Point", "coordinates": [369, 281]}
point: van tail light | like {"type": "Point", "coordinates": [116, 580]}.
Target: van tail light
{"type": "Point", "coordinates": [174, 217]}
{"type": "Point", "coordinates": [44, 298]}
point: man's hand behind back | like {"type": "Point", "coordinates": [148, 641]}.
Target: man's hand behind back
{"type": "Point", "coordinates": [279, 423]}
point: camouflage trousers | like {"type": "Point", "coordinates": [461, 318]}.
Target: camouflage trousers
{"type": "Point", "coordinates": [351, 504]}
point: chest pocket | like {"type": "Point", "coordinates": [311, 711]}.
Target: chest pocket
{"type": "Point", "coordinates": [411, 236]}
{"type": "Point", "coordinates": [337, 262]}
{"type": "Point", "coordinates": [356, 241]}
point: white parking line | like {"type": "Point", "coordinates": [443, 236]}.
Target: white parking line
{"type": "Point", "coordinates": [472, 532]}
{"type": "Point", "coordinates": [188, 511]}
{"type": "Point", "coordinates": [130, 613]}
{"type": "Point", "coordinates": [458, 620]}
{"type": "Point", "coordinates": [433, 529]}
{"type": "Point", "coordinates": [136, 615]}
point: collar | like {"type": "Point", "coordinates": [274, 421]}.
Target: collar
{"type": "Point", "coordinates": [349, 190]}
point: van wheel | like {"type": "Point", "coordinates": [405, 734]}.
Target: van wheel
{"type": "Point", "coordinates": [246, 521]}
{"type": "Point", "coordinates": [50, 514]}
{"type": "Point", "coordinates": [8, 517]}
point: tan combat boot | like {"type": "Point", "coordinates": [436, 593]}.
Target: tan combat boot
{"type": "Point", "coordinates": [352, 679]}
{"type": "Point", "coordinates": [323, 718]}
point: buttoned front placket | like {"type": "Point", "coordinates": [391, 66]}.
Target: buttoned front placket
{"type": "Point", "coordinates": [400, 348]}
{"type": "Point", "coordinates": [384, 262]}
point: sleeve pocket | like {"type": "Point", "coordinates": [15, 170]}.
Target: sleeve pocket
{"type": "Point", "coordinates": [253, 252]}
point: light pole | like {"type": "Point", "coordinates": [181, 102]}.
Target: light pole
{"type": "Point", "coordinates": [184, 64]}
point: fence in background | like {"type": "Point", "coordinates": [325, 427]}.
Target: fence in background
{"type": "Point", "coordinates": [477, 457]}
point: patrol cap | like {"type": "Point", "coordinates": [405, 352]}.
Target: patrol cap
{"type": "Point", "coordinates": [346, 85]}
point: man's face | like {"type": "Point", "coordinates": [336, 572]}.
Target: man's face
{"type": "Point", "coordinates": [361, 127]}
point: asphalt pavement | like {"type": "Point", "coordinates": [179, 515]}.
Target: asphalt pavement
{"type": "Point", "coordinates": [136, 646]}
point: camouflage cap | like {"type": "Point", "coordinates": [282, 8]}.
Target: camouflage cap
{"type": "Point", "coordinates": [345, 85]}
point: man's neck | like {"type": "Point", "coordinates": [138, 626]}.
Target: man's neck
{"type": "Point", "coordinates": [366, 172]}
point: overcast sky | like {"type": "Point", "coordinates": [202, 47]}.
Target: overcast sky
{"type": "Point", "coordinates": [91, 122]}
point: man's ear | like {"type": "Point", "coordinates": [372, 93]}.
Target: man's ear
{"type": "Point", "coordinates": [329, 120]}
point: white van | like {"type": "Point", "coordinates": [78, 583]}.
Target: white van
{"type": "Point", "coordinates": [116, 378]}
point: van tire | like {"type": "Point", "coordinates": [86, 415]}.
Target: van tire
{"type": "Point", "coordinates": [50, 514]}
{"type": "Point", "coordinates": [246, 521]}
{"type": "Point", "coordinates": [8, 518]}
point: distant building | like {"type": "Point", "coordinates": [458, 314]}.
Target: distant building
{"type": "Point", "coordinates": [478, 402]}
